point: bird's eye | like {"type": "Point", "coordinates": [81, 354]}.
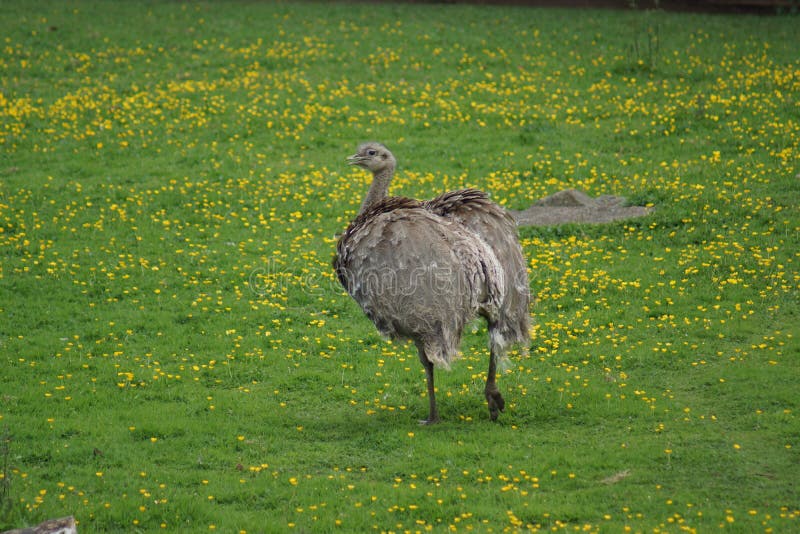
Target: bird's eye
{"type": "Point", "coordinates": [371, 152]}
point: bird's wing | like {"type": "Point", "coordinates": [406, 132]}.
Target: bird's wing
{"type": "Point", "coordinates": [475, 211]}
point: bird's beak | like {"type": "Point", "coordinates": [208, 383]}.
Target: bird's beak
{"type": "Point", "coordinates": [355, 159]}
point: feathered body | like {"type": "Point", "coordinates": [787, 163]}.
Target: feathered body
{"type": "Point", "coordinates": [423, 270]}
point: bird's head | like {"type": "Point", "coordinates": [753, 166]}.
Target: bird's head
{"type": "Point", "coordinates": [373, 156]}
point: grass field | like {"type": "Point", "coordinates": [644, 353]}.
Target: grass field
{"type": "Point", "coordinates": [176, 354]}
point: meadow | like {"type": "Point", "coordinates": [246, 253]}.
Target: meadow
{"type": "Point", "coordinates": [176, 354]}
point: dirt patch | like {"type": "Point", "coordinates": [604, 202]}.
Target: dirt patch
{"type": "Point", "coordinates": [572, 206]}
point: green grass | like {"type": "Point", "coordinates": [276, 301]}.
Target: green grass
{"type": "Point", "coordinates": [176, 354]}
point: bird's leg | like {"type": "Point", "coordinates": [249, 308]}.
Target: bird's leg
{"type": "Point", "coordinates": [433, 415]}
{"type": "Point", "coordinates": [492, 393]}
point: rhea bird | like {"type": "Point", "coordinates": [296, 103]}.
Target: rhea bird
{"type": "Point", "coordinates": [422, 270]}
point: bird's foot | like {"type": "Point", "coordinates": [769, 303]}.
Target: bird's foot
{"type": "Point", "coordinates": [496, 403]}
{"type": "Point", "coordinates": [429, 421]}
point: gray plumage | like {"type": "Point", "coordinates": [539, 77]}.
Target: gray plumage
{"type": "Point", "coordinates": [423, 270]}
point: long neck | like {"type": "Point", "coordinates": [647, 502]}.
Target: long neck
{"type": "Point", "coordinates": [379, 188]}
